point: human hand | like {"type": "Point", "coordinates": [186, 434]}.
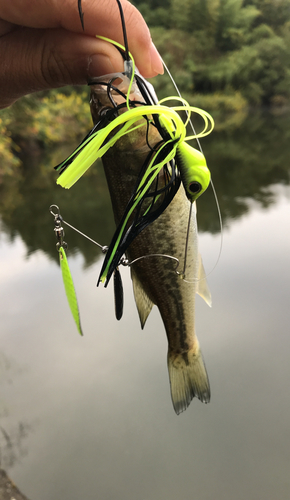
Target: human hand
{"type": "Point", "coordinates": [42, 44]}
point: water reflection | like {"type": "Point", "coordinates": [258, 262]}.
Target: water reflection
{"type": "Point", "coordinates": [11, 445]}
{"type": "Point", "coordinates": [13, 433]}
{"type": "Point", "coordinates": [25, 203]}
{"type": "Point", "coordinates": [245, 162]}
{"type": "Point", "coordinates": [106, 428]}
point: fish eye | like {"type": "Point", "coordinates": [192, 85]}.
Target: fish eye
{"type": "Point", "coordinates": [194, 187]}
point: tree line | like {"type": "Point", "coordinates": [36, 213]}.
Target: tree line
{"type": "Point", "coordinates": [232, 48]}
{"type": "Point", "coordinates": [225, 55]}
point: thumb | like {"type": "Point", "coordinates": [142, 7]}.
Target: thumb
{"type": "Point", "coordinates": [33, 59]}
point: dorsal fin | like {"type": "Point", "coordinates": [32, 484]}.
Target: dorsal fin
{"type": "Point", "coordinates": [144, 304]}
{"type": "Point", "coordinates": [202, 286]}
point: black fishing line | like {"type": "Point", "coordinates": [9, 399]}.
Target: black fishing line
{"type": "Point", "coordinates": [127, 56]}
{"type": "Point", "coordinates": [145, 92]}
{"type": "Point", "coordinates": [118, 91]}
{"type": "Point", "coordinates": [81, 14]}
{"type": "Point", "coordinates": [109, 93]}
{"type": "Point", "coordinates": [147, 134]}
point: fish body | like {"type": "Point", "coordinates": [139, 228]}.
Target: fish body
{"type": "Point", "coordinates": [155, 280]}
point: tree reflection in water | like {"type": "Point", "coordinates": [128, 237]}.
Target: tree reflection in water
{"type": "Point", "coordinates": [12, 435]}
{"type": "Point", "coordinates": [245, 159]}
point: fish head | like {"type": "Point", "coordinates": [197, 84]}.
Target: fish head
{"type": "Point", "coordinates": [109, 98]}
{"type": "Point", "coordinates": [106, 93]}
{"type": "Point", "coordinates": [110, 91]}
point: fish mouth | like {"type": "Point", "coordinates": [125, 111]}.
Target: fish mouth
{"type": "Point", "coordinates": [111, 91]}
{"type": "Point", "coordinates": [117, 81]}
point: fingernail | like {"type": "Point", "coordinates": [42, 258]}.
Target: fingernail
{"type": "Point", "coordinates": [100, 65]}
{"type": "Point", "coordinates": [156, 61]}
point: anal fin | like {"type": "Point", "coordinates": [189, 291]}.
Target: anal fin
{"type": "Point", "coordinates": [144, 304]}
{"type": "Point", "coordinates": [202, 287]}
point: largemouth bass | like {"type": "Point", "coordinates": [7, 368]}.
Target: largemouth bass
{"type": "Point", "coordinates": [155, 280]}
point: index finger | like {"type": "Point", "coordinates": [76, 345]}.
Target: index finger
{"type": "Point", "coordinates": [101, 17]}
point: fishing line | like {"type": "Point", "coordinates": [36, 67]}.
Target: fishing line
{"type": "Point", "coordinates": [129, 68]}
{"type": "Point", "coordinates": [182, 274]}
{"type": "Point", "coordinates": [211, 181]}
{"type": "Point", "coordinates": [81, 14]}
{"type": "Point", "coordinates": [179, 93]}
{"type": "Point", "coordinates": [109, 91]}
{"type": "Point", "coordinates": [127, 56]}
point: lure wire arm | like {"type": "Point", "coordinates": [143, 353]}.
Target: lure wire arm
{"type": "Point", "coordinates": [125, 261]}
{"type": "Point", "coordinates": [58, 220]}
{"type": "Point", "coordinates": [103, 248]}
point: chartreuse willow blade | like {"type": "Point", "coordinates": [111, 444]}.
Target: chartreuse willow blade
{"type": "Point", "coordinates": [69, 288]}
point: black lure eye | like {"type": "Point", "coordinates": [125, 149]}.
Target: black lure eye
{"type": "Point", "coordinates": [194, 187]}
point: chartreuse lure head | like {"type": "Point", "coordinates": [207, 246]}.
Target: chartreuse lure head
{"type": "Point", "coordinates": [193, 170]}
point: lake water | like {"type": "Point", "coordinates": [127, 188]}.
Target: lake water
{"type": "Point", "coordinates": [92, 417]}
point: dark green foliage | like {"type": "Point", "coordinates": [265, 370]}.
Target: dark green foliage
{"type": "Point", "coordinates": [234, 47]}
{"type": "Point", "coordinates": [275, 13]}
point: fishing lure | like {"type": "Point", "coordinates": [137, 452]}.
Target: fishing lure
{"type": "Point", "coordinates": [134, 105]}
{"type": "Point", "coordinates": [66, 274]}
{"type": "Point", "coordinates": [177, 159]}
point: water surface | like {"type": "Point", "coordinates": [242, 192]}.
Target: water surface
{"type": "Point", "coordinates": [92, 417]}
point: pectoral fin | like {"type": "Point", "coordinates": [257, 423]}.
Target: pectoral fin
{"type": "Point", "coordinates": [202, 287]}
{"type": "Point", "coordinates": [144, 304]}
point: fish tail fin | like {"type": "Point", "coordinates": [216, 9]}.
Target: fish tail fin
{"type": "Point", "coordinates": [188, 378]}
